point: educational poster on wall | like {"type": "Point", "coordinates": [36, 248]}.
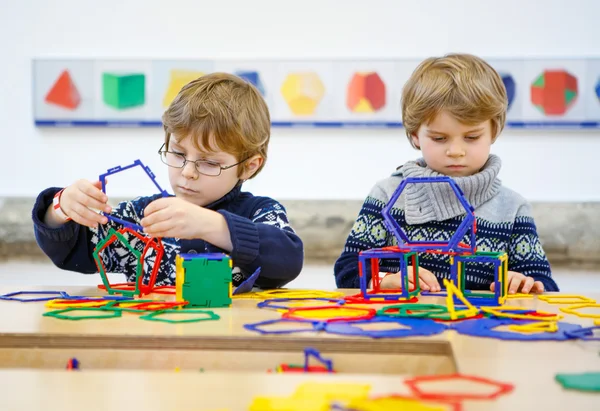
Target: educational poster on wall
{"type": "Point", "coordinates": [542, 93]}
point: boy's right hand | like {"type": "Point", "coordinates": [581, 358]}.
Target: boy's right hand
{"type": "Point", "coordinates": [78, 200]}
{"type": "Point", "coordinates": [427, 280]}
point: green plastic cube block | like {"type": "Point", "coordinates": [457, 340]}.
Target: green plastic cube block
{"type": "Point", "coordinates": [123, 90]}
{"type": "Point", "coordinates": [207, 282]}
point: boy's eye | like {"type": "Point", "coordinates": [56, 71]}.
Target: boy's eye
{"type": "Point", "coordinates": [472, 137]}
{"type": "Point", "coordinates": [438, 138]}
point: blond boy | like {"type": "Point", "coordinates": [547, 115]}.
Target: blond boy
{"type": "Point", "coordinates": [217, 133]}
{"type": "Point", "coordinates": [453, 110]}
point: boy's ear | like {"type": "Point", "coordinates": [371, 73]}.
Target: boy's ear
{"type": "Point", "coordinates": [251, 166]}
{"type": "Point", "coordinates": [415, 140]}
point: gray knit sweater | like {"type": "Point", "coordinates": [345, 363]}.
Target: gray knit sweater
{"type": "Point", "coordinates": [432, 212]}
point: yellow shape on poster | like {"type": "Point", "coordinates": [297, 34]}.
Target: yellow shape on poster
{"type": "Point", "coordinates": [178, 79]}
{"type": "Point", "coordinates": [303, 92]}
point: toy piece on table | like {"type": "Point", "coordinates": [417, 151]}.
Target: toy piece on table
{"type": "Point", "coordinates": [566, 299]}
{"type": "Point", "coordinates": [588, 381]}
{"type": "Point", "coordinates": [418, 386]}
{"type": "Point", "coordinates": [325, 366]}
{"type": "Point", "coordinates": [574, 309]}
{"type": "Point", "coordinates": [248, 284]}
{"type": "Point", "coordinates": [16, 296]}
{"type": "Point", "coordinates": [73, 364]}
{"type": "Point", "coordinates": [405, 252]}
{"type": "Point", "coordinates": [203, 280]}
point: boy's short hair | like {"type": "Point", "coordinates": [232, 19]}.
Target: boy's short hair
{"type": "Point", "coordinates": [221, 110]}
{"type": "Point", "coordinates": [464, 85]}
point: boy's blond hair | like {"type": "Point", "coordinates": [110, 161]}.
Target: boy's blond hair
{"type": "Point", "coordinates": [221, 111]}
{"type": "Point", "coordinates": [462, 84]}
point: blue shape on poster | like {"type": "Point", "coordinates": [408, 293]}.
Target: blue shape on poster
{"type": "Point", "coordinates": [509, 84]}
{"type": "Point", "coordinates": [598, 89]}
{"type": "Point", "coordinates": [253, 78]}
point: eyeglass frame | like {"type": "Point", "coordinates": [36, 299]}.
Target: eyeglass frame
{"type": "Point", "coordinates": [185, 161]}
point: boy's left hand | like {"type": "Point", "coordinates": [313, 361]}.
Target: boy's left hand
{"type": "Point", "coordinates": [518, 282]}
{"type": "Point", "coordinates": [172, 217]}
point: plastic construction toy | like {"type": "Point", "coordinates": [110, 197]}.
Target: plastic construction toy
{"type": "Point", "coordinates": [20, 296]}
{"type": "Point", "coordinates": [275, 303]}
{"type": "Point", "coordinates": [72, 364]}
{"type": "Point", "coordinates": [498, 260]}
{"type": "Point", "coordinates": [585, 334]}
{"type": "Point", "coordinates": [487, 328]}
{"type": "Point", "coordinates": [287, 326]}
{"type": "Point", "coordinates": [197, 316]}
{"type": "Point", "coordinates": [132, 229]}
{"type": "Point", "coordinates": [139, 288]}
{"type": "Point", "coordinates": [589, 381]}
{"type": "Point", "coordinates": [418, 386]}
{"type": "Point", "coordinates": [203, 280]}
{"type": "Point", "coordinates": [118, 169]}
{"type": "Point", "coordinates": [417, 327]}
{"type": "Point", "coordinates": [460, 253]}
{"type": "Point", "coordinates": [329, 313]}
{"type": "Point", "coordinates": [324, 366]}
{"type": "Point", "coordinates": [574, 309]}
{"type": "Point", "coordinates": [370, 258]}
{"type": "Point", "coordinates": [566, 299]}
{"type": "Point", "coordinates": [248, 284]}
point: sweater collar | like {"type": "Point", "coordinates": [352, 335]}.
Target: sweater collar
{"type": "Point", "coordinates": [437, 201]}
{"type": "Point", "coordinates": [227, 198]}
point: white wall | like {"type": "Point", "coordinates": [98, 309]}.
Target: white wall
{"type": "Point", "coordinates": [303, 164]}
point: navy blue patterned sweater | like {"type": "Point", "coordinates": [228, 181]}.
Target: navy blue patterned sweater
{"type": "Point", "coordinates": [260, 233]}
{"type": "Point", "coordinates": [432, 213]}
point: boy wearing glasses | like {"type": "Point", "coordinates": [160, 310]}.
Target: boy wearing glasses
{"type": "Point", "coordinates": [217, 133]}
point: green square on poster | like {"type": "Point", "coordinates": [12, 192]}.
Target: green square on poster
{"type": "Point", "coordinates": [122, 91]}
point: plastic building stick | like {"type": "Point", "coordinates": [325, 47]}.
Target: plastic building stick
{"type": "Point", "coordinates": [416, 327]}
{"type": "Point", "coordinates": [418, 387]}
{"type": "Point", "coordinates": [452, 292]}
{"type": "Point", "coordinates": [328, 314]}
{"type": "Point", "coordinates": [535, 327]}
{"type": "Point", "coordinates": [248, 284]}
{"type": "Point", "coordinates": [573, 310]}
{"type": "Point", "coordinates": [585, 334]}
{"type": "Point", "coordinates": [487, 328]}
{"type": "Point", "coordinates": [14, 296]}
{"type": "Point", "coordinates": [505, 312]}
{"type": "Point", "coordinates": [61, 314]}
{"type": "Point", "coordinates": [314, 353]}
{"type": "Point", "coordinates": [295, 302]}
{"type": "Point", "coordinates": [201, 315]}
{"type": "Point", "coordinates": [589, 381]}
{"type": "Point", "coordinates": [258, 327]}
{"type": "Point", "coordinates": [566, 299]}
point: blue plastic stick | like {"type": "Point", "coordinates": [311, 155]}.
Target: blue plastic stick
{"type": "Point", "coordinates": [313, 352]}
{"type": "Point", "coordinates": [248, 284]}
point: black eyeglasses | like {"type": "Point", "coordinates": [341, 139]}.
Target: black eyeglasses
{"type": "Point", "coordinates": [206, 167]}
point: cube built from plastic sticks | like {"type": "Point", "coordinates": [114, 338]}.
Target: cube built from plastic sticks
{"type": "Point", "coordinates": [370, 258]}
{"type": "Point", "coordinates": [455, 244]}
{"type": "Point", "coordinates": [500, 262]}
{"type": "Point", "coordinates": [154, 243]}
{"type": "Point", "coordinates": [203, 280]}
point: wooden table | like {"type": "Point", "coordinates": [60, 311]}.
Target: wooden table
{"type": "Point", "coordinates": [151, 351]}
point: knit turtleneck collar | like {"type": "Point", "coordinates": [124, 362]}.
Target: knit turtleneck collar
{"type": "Point", "coordinates": [227, 198]}
{"type": "Point", "coordinates": [437, 201]}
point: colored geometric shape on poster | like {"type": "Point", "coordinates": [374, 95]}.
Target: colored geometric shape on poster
{"type": "Point", "coordinates": [366, 93]}
{"type": "Point", "coordinates": [303, 92]}
{"type": "Point", "coordinates": [510, 86]}
{"type": "Point", "coordinates": [122, 91]}
{"type": "Point", "coordinates": [252, 77]}
{"type": "Point", "coordinates": [178, 79]}
{"type": "Point", "coordinates": [64, 92]}
{"type": "Point", "coordinates": [598, 89]}
{"type": "Point", "coordinates": [589, 381]}
{"type": "Point", "coordinates": [554, 91]}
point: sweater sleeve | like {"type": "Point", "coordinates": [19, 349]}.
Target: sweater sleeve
{"type": "Point", "coordinates": [266, 240]}
{"type": "Point", "coordinates": [526, 254]}
{"type": "Point", "coordinates": [71, 246]}
{"type": "Point", "coordinates": [368, 231]}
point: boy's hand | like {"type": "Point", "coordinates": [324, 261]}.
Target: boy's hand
{"type": "Point", "coordinates": [519, 283]}
{"type": "Point", "coordinates": [173, 217]}
{"type": "Point", "coordinates": [78, 200]}
{"type": "Point", "coordinates": [427, 280]}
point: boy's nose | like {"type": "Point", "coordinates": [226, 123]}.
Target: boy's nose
{"type": "Point", "coordinates": [455, 150]}
{"type": "Point", "coordinates": [189, 171]}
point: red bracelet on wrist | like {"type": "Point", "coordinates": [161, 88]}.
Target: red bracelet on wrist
{"type": "Point", "coordinates": [56, 206]}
